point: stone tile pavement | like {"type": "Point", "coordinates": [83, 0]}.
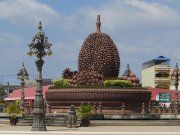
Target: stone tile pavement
{"type": "Point", "coordinates": [6, 129]}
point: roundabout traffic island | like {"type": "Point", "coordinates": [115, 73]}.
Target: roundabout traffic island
{"type": "Point", "coordinates": [97, 80]}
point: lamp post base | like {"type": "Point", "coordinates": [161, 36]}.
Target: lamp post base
{"type": "Point", "coordinates": [39, 120]}
{"type": "Point", "coordinates": [38, 129]}
{"type": "Point", "coordinates": [176, 111]}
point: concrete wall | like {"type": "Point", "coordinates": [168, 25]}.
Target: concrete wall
{"type": "Point", "coordinates": [148, 79]}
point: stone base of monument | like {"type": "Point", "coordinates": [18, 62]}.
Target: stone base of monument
{"type": "Point", "coordinates": [110, 120]}
{"type": "Point", "coordinates": [132, 99]}
{"type": "Point", "coordinates": [135, 123]}
{"type": "Point", "coordinates": [133, 117]}
{"type": "Point", "coordinates": [50, 120]}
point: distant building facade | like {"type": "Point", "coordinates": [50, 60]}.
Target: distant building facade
{"type": "Point", "coordinates": [156, 73]}
{"type": "Point", "coordinates": [32, 83]}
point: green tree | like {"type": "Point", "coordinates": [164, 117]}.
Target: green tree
{"type": "Point", "coordinates": [2, 93]}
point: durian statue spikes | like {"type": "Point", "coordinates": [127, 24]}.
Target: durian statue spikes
{"type": "Point", "coordinates": [87, 78]}
{"type": "Point", "coordinates": [99, 51]}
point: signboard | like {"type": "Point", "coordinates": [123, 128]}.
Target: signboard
{"type": "Point", "coordinates": [164, 97]}
{"type": "Point", "coordinates": [157, 97]}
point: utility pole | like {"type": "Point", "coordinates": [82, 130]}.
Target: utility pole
{"type": "Point", "coordinates": [8, 88]}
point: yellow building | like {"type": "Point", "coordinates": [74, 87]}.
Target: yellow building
{"type": "Point", "coordinates": [156, 73]}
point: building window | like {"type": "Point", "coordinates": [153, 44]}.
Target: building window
{"type": "Point", "coordinates": [162, 74]}
{"type": "Point", "coordinates": [162, 86]}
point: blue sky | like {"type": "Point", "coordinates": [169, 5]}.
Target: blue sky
{"type": "Point", "coordinates": [141, 29]}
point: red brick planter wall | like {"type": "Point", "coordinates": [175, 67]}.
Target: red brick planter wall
{"type": "Point", "coordinates": [133, 98]}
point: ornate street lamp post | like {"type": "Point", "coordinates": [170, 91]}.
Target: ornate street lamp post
{"type": "Point", "coordinates": [22, 75]}
{"type": "Point", "coordinates": [176, 75]}
{"type": "Point", "coordinates": [39, 47]}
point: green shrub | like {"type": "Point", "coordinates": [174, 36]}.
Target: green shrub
{"type": "Point", "coordinates": [119, 83]}
{"type": "Point", "coordinates": [62, 83]}
{"type": "Point", "coordinates": [13, 109]}
{"type": "Point", "coordinates": [84, 111]}
{"type": "Point", "coordinates": [2, 105]}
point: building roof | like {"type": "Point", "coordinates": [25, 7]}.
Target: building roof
{"type": "Point", "coordinates": [156, 61]}
{"type": "Point", "coordinates": [29, 93]}
{"type": "Point", "coordinates": [156, 91]}
{"type": "Point", "coordinates": [161, 59]}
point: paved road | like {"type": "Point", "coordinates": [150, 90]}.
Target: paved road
{"type": "Point", "coordinates": [98, 130]}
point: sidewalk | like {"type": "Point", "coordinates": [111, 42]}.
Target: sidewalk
{"type": "Point", "coordinates": [98, 130]}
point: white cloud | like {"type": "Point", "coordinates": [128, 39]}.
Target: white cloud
{"type": "Point", "coordinates": [10, 40]}
{"type": "Point", "coordinates": [154, 11]}
{"type": "Point", "coordinates": [129, 49]}
{"type": "Point", "coordinates": [141, 30]}
{"type": "Point", "coordinates": [131, 14]}
{"type": "Point", "coordinates": [23, 12]}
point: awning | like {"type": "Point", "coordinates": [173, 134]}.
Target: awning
{"type": "Point", "coordinates": [29, 93]}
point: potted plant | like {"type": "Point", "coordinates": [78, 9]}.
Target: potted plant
{"type": "Point", "coordinates": [1, 107]}
{"type": "Point", "coordinates": [84, 112]}
{"type": "Point", "coordinates": [13, 110]}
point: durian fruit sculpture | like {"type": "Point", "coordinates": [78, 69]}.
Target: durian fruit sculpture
{"type": "Point", "coordinates": [98, 61]}
{"type": "Point", "coordinates": [99, 51]}
{"type": "Point", "coordinates": [87, 78]}
{"type": "Point", "coordinates": [68, 74]}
